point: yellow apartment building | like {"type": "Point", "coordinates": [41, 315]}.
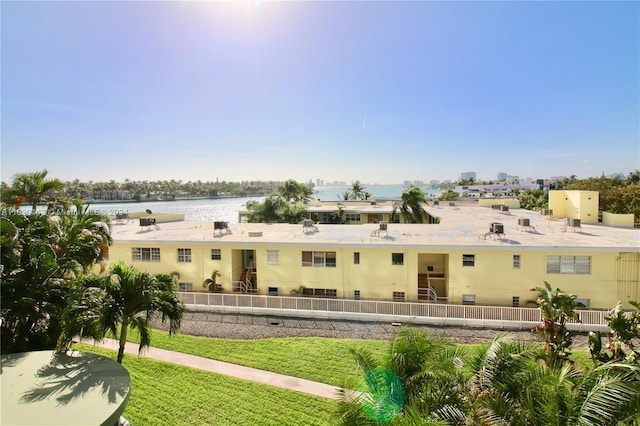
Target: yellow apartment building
{"type": "Point", "coordinates": [474, 255]}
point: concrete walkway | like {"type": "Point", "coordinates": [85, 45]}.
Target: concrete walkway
{"type": "Point", "coordinates": [227, 369]}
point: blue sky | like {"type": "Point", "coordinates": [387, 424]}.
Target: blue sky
{"type": "Point", "coordinates": [377, 91]}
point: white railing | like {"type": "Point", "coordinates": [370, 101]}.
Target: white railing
{"type": "Point", "coordinates": [373, 310]}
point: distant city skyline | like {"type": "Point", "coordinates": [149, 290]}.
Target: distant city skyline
{"type": "Point", "coordinates": [380, 92]}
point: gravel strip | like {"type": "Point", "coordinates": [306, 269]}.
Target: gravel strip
{"type": "Point", "coordinates": [252, 327]}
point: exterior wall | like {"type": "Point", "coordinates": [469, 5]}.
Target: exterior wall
{"type": "Point", "coordinates": [493, 279]}
{"type": "Point", "coordinates": [513, 203]}
{"type": "Point", "coordinates": [581, 205]}
{"type": "Point", "coordinates": [619, 220]}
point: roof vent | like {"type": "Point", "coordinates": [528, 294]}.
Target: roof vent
{"type": "Point", "coordinates": [255, 233]}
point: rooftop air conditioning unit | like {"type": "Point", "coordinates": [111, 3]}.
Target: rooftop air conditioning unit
{"type": "Point", "coordinates": [497, 228]}
{"type": "Point", "coordinates": [147, 221]}
{"type": "Point", "coordinates": [383, 226]}
{"type": "Point", "coordinates": [524, 222]}
{"type": "Point", "coordinates": [574, 222]}
{"type": "Point", "coordinates": [504, 208]}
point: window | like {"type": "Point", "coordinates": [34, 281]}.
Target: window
{"type": "Point", "coordinates": [568, 264]}
{"type": "Point", "coordinates": [320, 292]}
{"type": "Point", "coordinates": [356, 294]}
{"type": "Point", "coordinates": [145, 254]}
{"type": "Point", "coordinates": [319, 258]}
{"type": "Point", "coordinates": [273, 256]}
{"type": "Point", "coordinates": [468, 260]}
{"type": "Point", "coordinates": [184, 255]}
{"type": "Point", "coordinates": [468, 299]}
{"type": "Point", "coordinates": [397, 258]}
{"type": "Point", "coordinates": [356, 258]}
{"type": "Point", "coordinates": [398, 296]}
{"type": "Point", "coordinates": [352, 217]}
{"type": "Point", "coordinates": [185, 286]}
{"type": "Point", "coordinates": [516, 261]}
{"type": "Point", "coordinates": [515, 301]}
{"type": "Point", "coordinates": [216, 254]}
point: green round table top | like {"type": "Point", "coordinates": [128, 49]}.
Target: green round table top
{"type": "Point", "coordinates": [62, 388]}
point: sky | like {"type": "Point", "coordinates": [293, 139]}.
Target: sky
{"type": "Point", "coordinates": [380, 92]}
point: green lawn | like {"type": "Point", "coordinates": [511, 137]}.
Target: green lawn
{"type": "Point", "coordinates": [312, 358]}
{"type": "Point", "coordinates": [167, 394]}
{"type": "Point", "coordinates": [164, 393]}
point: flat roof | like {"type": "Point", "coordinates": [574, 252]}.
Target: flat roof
{"type": "Point", "coordinates": [459, 227]}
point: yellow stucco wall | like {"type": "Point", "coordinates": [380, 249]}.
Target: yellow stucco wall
{"type": "Point", "coordinates": [581, 205]}
{"type": "Point", "coordinates": [513, 203]}
{"type": "Point", "coordinates": [619, 220]}
{"type": "Point", "coordinates": [493, 279]}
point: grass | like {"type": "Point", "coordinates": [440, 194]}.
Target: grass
{"type": "Point", "coordinates": [313, 358]}
{"type": "Point", "coordinates": [169, 394]}
{"type": "Point", "coordinates": [164, 393]}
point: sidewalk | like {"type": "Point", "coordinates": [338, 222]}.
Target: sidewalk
{"type": "Point", "coordinates": [227, 369]}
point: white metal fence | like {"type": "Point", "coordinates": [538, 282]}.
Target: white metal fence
{"type": "Point", "coordinates": [371, 310]}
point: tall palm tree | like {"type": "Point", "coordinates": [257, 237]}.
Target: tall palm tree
{"type": "Point", "coordinates": [357, 191]}
{"type": "Point", "coordinates": [411, 209]}
{"type": "Point", "coordinates": [33, 188]}
{"type": "Point", "coordinates": [124, 299]}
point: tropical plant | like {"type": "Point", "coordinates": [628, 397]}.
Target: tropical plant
{"type": "Point", "coordinates": [625, 328]}
{"type": "Point", "coordinates": [33, 188]}
{"type": "Point", "coordinates": [210, 283]}
{"type": "Point", "coordinates": [346, 195]}
{"type": "Point", "coordinates": [420, 378]}
{"type": "Point", "coordinates": [40, 255]}
{"type": "Point", "coordinates": [556, 308]}
{"type": "Point", "coordinates": [293, 191]}
{"type": "Point", "coordinates": [510, 386]}
{"type": "Point", "coordinates": [123, 299]}
{"type": "Point", "coordinates": [358, 191]}
{"type": "Point", "coordinates": [298, 291]}
{"type": "Point", "coordinates": [448, 195]}
{"type": "Point", "coordinates": [411, 209]}
{"type": "Point", "coordinates": [533, 199]}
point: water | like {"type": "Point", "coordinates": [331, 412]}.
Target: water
{"type": "Point", "coordinates": [218, 209]}
{"type": "Point", "coordinates": [226, 209]}
{"type": "Point", "coordinates": [334, 193]}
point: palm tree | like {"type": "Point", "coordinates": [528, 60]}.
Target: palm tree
{"type": "Point", "coordinates": [357, 191]}
{"type": "Point", "coordinates": [556, 309]}
{"type": "Point", "coordinates": [420, 378]}
{"type": "Point", "coordinates": [511, 386]}
{"type": "Point", "coordinates": [122, 300]}
{"type": "Point", "coordinates": [40, 255]}
{"type": "Point", "coordinates": [210, 283]}
{"type": "Point", "coordinates": [292, 190]}
{"type": "Point", "coordinates": [33, 188]}
{"type": "Point", "coordinates": [412, 209]}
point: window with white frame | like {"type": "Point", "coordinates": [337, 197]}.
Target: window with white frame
{"type": "Point", "coordinates": [184, 255]}
{"type": "Point", "coordinates": [356, 258]}
{"type": "Point", "coordinates": [468, 260]}
{"type": "Point", "coordinates": [216, 254]}
{"type": "Point", "coordinates": [516, 261]}
{"type": "Point", "coordinates": [185, 286]}
{"type": "Point", "coordinates": [144, 254]}
{"type": "Point", "coordinates": [273, 256]}
{"type": "Point", "coordinates": [397, 258]}
{"type": "Point", "coordinates": [319, 259]}
{"type": "Point", "coordinates": [568, 264]}
{"type": "Point", "coordinates": [352, 217]}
